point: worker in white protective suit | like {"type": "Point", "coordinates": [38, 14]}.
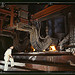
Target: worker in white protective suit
{"type": "Point", "coordinates": [8, 57]}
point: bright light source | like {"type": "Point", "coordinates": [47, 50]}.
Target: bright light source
{"type": "Point", "coordinates": [52, 48]}
{"type": "Point", "coordinates": [44, 50]}
{"type": "Point", "coordinates": [33, 49]}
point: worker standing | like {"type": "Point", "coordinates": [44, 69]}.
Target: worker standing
{"type": "Point", "coordinates": [8, 57]}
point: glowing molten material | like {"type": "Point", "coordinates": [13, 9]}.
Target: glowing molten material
{"type": "Point", "coordinates": [32, 48]}
{"type": "Point", "coordinates": [43, 50]}
{"type": "Point", "coordinates": [52, 48]}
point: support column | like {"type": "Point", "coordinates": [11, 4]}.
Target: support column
{"type": "Point", "coordinates": [12, 16]}
{"type": "Point", "coordinates": [1, 24]}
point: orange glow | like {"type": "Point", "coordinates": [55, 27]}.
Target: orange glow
{"type": "Point", "coordinates": [32, 48]}
{"type": "Point", "coordinates": [44, 50]}
{"type": "Point", "coordinates": [52, 48]}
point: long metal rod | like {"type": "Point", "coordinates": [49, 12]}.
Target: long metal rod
{"type": "Point", "coordinates": [44, 54]}
{"type": "Point", "coordinates": [6, 12]}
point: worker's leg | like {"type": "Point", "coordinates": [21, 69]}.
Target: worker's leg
{"type": "Point", "coordinates": [12, 62]}
{"type": "Point", "coordinates": [6, 65]}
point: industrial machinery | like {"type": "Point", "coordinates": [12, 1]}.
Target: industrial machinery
{"type": "Point", "coordinates": [45, 35]}
{"type": "Point", "coordinates": [50, 26]}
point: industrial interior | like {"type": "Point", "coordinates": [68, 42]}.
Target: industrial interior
{"type": "Point", "coordinates": [43, 36]}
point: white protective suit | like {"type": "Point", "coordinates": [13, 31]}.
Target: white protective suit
{"type": "Point", "coordinates": [8, 57]}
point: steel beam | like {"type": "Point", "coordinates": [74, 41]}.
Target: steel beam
{"type": "Point", "coordinates": [49, 10]}
{"type": "Point", "coordinates": [1, 24]}
{"type": "Point", "coordinates": [12, 16]}
{"type": "Point", "coordinates": [6, 12]}
{"type": "Point", "coordinates": [46, 6]}
{"type": "Point", "coordinates": [44, 53]}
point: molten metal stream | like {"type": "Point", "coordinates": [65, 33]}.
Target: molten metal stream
{"type": "Point", "coordinates": [52, 48]}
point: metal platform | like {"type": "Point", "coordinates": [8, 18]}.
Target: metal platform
{"type": "Point", "coordinates": [56, 59]}
{"type": "Point", "coordinates": [41, 61]}
{"type": "Point", "coordinates": [18, 66]}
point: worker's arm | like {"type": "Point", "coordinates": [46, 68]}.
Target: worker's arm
{"type": "Point", "coordinates": [10, 56]}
